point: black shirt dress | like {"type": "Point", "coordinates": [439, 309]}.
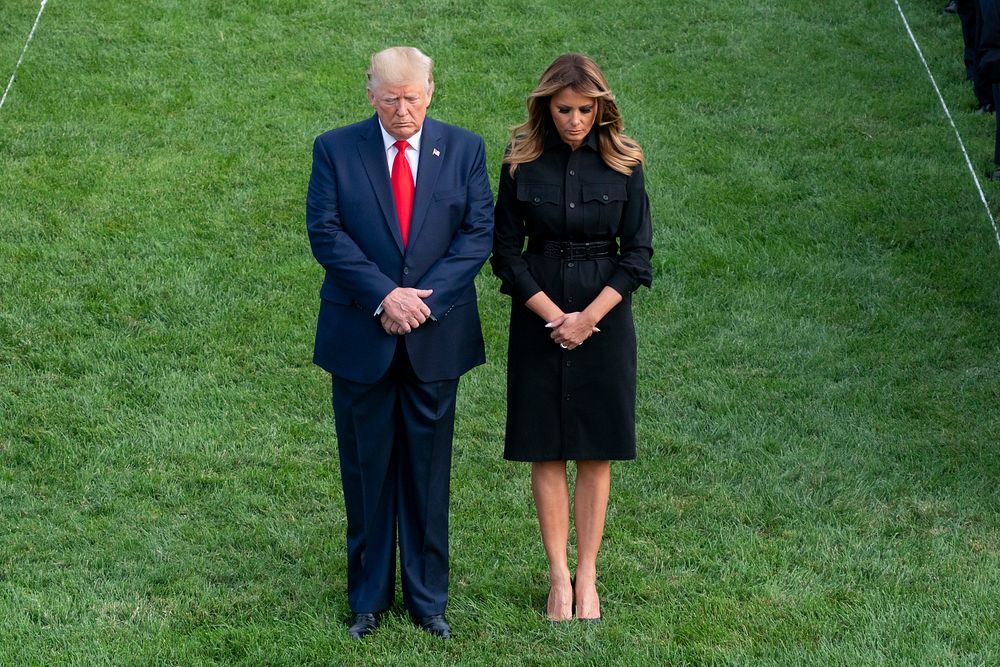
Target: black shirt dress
{"type": "Point", "coordinates": [574, 404]}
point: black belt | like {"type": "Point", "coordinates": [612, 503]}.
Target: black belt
{"type": "Point", "coordinates": [572, 250]}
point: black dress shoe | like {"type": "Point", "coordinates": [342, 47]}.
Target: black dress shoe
{"type": "Point", "coordinates": [435, 625]}
{"type": "Point", "coordinates": [995, 176]}
{"type": "Point", "coordinates": [951, 7]}
{"type": "Point", "coordinates": [982, 109]}
{"type": "Point", "coordinates": [363, 625]}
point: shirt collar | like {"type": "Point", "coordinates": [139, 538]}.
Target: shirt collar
{"type": "Point", "coordinates": [389, 141]}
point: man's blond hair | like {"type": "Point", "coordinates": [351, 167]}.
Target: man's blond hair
{"type": "Point", "coordinates": [400, 65]}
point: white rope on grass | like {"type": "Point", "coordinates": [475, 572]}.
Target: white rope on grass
{"type": "Point", "coordinates": [961, 144]}
{"type": "Point", "coordinates": [13, 74]}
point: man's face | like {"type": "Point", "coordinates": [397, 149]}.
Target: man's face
{"type": "Point", "coordinates": [401, 108]}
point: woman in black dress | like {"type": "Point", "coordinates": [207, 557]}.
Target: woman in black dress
{"type": "Point", "coordinates": [572, 185]}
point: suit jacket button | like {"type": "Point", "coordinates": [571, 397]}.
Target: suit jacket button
{"type": "Point", "coordinates": [406, 270]}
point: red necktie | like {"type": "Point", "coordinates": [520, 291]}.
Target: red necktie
{"type": "Point", "coordinates": [402, 189]}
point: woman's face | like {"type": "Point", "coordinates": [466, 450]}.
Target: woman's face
{"type": "Point", "coordinates": [573, 115]}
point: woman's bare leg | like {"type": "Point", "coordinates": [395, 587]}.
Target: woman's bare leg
{"type": "Point", "coordinates": [551, 492]}
{"type": "Point", "coordinates": [590, 505]}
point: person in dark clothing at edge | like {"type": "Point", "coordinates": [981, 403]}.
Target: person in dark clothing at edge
{"type": "Point", "coordinates": [970, 14]}
{"type": "Point", "coordinates": [988, 63]}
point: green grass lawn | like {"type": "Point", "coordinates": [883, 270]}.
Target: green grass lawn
{"type": "Point", "coordinates": [818, 468]}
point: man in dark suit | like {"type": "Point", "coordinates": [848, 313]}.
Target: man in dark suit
{"type": "Point", "coordinates": [399, 213]}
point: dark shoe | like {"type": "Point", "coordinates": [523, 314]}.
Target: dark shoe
{"type": "Point", "coordinates": [951, 7]}
{"type": "Point", "coordinates": [363, 625]}
{"type": "Point", "coordinates": [989, 107]}
{"type": "Point", "coordinates": [435, 625]}
{"type": "Point", "coordinates": [995, 176]}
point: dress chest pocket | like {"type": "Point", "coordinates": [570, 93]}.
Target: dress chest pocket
{"type": "Point", "coordinates": [539, 204]}
{"type": "Point", "coordinates": [603, 206]}
{"type": "Point", "coordinates": [538, 194]}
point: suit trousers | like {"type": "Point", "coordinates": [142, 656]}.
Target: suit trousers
{"type": "Point", "coordinates": [971, 15]}
{"type": "Point", "coordinates": [996, 134]}
{"type": "Point", "coordinates": [395, 439]}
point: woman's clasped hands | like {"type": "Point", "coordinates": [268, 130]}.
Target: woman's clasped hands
{"type": "Point", "coordinates": [569, 330]}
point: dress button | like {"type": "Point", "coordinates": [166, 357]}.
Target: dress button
{"type": "Point", "coordinates": [605, 198]}
{"type": "Point", "coordinates": [572, 205]}
{"type": "Point", "coordinates": [572, 173]}
{"type": "Point", "coordinates": [537, 199]}
{"type": "Point", "coordinates": [406, 270]}
{"type": "Point", "coordinates": [568, 363]}
{"type": "Point", "coordinates": [571, 265]}
{"type": "Point", "coordinates": [567, 397]}
{"type": "Point", "coordinates": [570, 299]}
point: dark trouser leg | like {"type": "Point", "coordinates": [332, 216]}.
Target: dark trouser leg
{"type": "Point", "coordinates": [427, 414]}
{"type": "Point", "coordinates": [996, 136]}
{"type": "Point", "coordinates": [970, 14]}
{"type": "Point", "coordinates": [984, 89]}
{"type": "Point", "coordinates": [967, 16]}
{"type": "Point", "coordinates": [368, 468]}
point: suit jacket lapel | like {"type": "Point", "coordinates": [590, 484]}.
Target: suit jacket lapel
{"type": "Point", "coordinates": [432, 154]}
{"type": "Point", "coordinates": [373, 158]}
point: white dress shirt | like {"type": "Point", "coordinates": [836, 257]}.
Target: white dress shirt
{"type": "Point", "coordinates": [412, 152]}
{"type": "Point", "coordinates": [412, 156]}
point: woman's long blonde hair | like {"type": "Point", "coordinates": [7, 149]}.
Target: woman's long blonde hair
{"type": "Point", "coordinates": [583, 76]}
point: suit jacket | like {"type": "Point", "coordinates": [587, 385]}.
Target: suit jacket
{"type": "Point", "coordinates": [354, 234]}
